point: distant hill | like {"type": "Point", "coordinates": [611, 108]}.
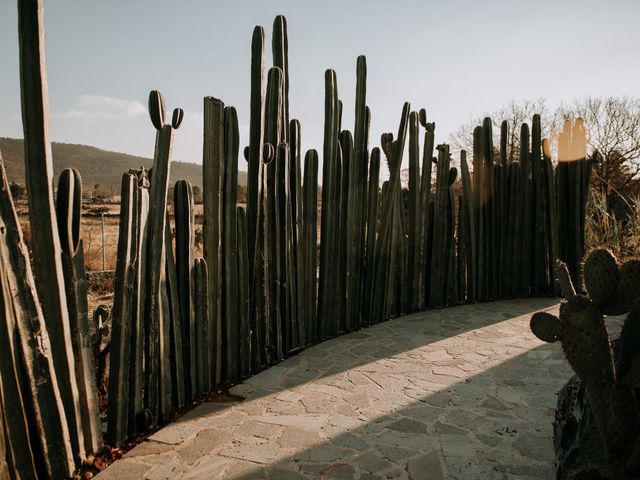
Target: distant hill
{"type": "Point", "coordinates": [96, 166]}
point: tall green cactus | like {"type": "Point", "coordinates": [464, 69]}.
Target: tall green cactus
{"type": "Point", "coordinates": [202, 323]}
{"type": "Point", "coordinates": [273, 223]}
{"type": "Point", "coordinates": [356, 201]}
{"type": "Point", "coordinates": [185, 244]}
{"type": "Point", "coordinates": [296, 239]}
{"type": "Point", "coordinates": [124, 308]}
{"type": "Point", "coordinates": [229, 244]}
{"type": "Point", "coordinates": [213, 174]}
{"type": "Point", "coordinates": [390, 235]}
{"type": "Point", "coordinates": [538, 245]}
{"type": "Point", "coordinates": [244, 331]}
{"type": "Point", "coordinates": [345, 275]}
{"type": "Point", "coordinates": [157, 393]}
{"type": "Point", "coordinates": [413, 279]}
{"type": "Point", "coordinates": [173, 328]}
{"type": "Point", "coordinates": [280, 48]}
{"type": "Point", "coordinates": [514, 234]}
{"type": "Point", "coordinates": [310, 249]}
{"type": "Point", "coordinates": [525, 170]}
{"type": "Point", "coordinates": [137, 420]}
{"type": "Point", "coordinates": [471, 226]}
{"type": "Point", "coordinates": [425, 198]}
{"type": "Point", "coordinates": [256, 139]}
{"type": "Point", "coordinates": [439, 263]}
{"type": "Point", "coordinates": [330, 193]}
{"type": "Point", "coordinates": [255, 200]}
{"type": "Point", "coordinates": [45, 240]}
{"type": "Point", "coordinates": [68, 211]}
{"type": "Point", "coordinates": [29, 376]}
{"type": "Point", "coordinates": [373, 190]}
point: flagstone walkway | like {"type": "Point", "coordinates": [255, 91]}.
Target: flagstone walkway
{"type": "Point", "coordinates": [465, 392]}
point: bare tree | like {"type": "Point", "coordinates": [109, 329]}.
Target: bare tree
{"type": "Point", "coordinates": [613, 136]}
{"type": "Point", "coordinates": [613, 126]}
{"type": "Point", "coordinates": [515, 113]}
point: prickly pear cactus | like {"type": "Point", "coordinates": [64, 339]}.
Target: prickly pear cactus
{"type": "Point", "coordinates": [614, 288]}
{"type": "Point", "coordinates": [610, 376]}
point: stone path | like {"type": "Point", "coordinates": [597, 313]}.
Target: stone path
{"type": "Point", "coordinates": [466, 392]}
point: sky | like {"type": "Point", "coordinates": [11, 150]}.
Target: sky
{"type": "Point", "coordinates": [459, 59]}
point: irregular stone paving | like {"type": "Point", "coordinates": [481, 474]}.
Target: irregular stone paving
{"type": "Point", "coordinates": [465, 392]}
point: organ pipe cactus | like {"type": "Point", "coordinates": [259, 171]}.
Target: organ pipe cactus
{"type": "Point", "coordinates": [213, 174]}
{"type": "Point", "coordinates": [137, 418]}
{"type": "Point", "coordinates": [280, 48]}
{"type": "Point", "coordinates": [388, 247]}
{"type": "Point", "coordinates": [274, 225]}
{"type": "Point", "coordinates": [373, 191]}
{"type": "Point", "coordinates": [256, 137]}
{"type": "Point", "coordinates": [202, 322]}
{"type": "Point", "coordinates": [229, 244]}
{"type": "Point", "coordinates": [439, 263]}
{"type": "Point", "coordinates": [425, 198]}
{"type": "Point", "coordinates": [310, 251]}
{"type": "Point", "coordinates": [414, 212]}
{"type": "Point", "coordinates": [39, 442]}
{"type": "Point", "coordinates": [330, 193]}
{"type": "Point", "coordinates": [525, 170]}
{"type": "Point", "coordinates": [123, 312]}
{"type": "Point", "coordinates": [345, 275]}
{"type": "Point", "coordinates": [612, 382]}
{"type": "Point", "coordinates": [68, 211]}
{"type": "Point", "coordinates": [45, 240]}
{"type": "Point", "coordinates": [259, 287]}
{"type": "Point", "coordinates": [470, 221]}
{"type": "Point", "coordinates": [173, 328]}
{"type": "Point", "coordinates": [296, 238]}
{"type": "Point", "coordinates": [244, 332]}
{"type": "Point", "coordinates": [356, 201]}
{"type": "Point", "coordinates": [156, 349]}
{"type": "Point", "coordinates": [185, 244]}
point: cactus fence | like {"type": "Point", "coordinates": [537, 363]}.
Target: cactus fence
{"type": "Point", "coordinates": [265, 288]}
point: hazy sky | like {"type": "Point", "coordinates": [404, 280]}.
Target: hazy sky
{"type": "Point", "coordinates": [458, 59]}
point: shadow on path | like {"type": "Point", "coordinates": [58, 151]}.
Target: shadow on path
{"type": "Point", "coordinates": [465, 392]}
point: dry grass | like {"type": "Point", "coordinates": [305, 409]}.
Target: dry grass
{"type": "Point", "coordinates": [620, 232]}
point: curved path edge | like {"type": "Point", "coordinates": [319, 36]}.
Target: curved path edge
{"type": "Point", "coordinates": [464, 392]}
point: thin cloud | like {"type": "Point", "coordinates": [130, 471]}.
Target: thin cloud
{"type": "Point", "coordinates": [103, 107]}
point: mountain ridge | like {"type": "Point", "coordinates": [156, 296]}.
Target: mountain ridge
{"type": "Point", "coordinates": [96, 166]}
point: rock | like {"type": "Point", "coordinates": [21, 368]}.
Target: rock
{"type": "Point", "coordinates": [429, 466]}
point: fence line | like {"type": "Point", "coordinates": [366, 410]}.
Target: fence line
{"type": "Point", "coordinates": [265, 289]}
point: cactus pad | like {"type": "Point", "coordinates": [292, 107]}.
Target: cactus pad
{"type": "Point", "coordinates": [628, 349]}
{"type": "Point", "coordinates": [601, 276]}
{"type": "Point", "coordinates": [156, 109]}
{"type": "Point", "coordinates": [585, 341]}
{"type": "Point", "coordinates": [453, 174]}
{"type": "Point", "coordinates": [546, 327]}
{"type": "Point", "coordinates": [564, 279]}
{"type": "Point", "coordinates": [422, 117]}
{"type": "Point", "coordinates": [178, 116]}
{"type": "Point", "coordinates": [628, 290]}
